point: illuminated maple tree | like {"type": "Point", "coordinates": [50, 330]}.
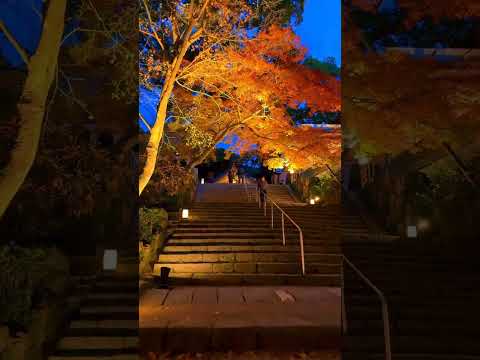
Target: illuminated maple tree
{"type": "Point", "coordinates": [247, 90]}
{"type": "Point", "coordinates": [395, 103]}
{"type": "Point", "coordinates": [177, 34]}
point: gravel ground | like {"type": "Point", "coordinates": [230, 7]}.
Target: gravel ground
{"type": "Point", "coordinates": [255, 355]}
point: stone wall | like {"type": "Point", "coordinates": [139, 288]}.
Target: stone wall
{"type": "Point", "coordinates": [47, 323]}
{"type": "Point", "coordinates": [149, 252]}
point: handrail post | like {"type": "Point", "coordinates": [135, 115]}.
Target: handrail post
{"type": "Point", "coordinates": [272, 215]}
{"type": "Point", "coordinates": [264, 205]}
{"type": "Point", "coordinates": [344, 307]}
{"type": "Point", "coordinates": [283, 229]}
{"type": "Point", "coordinates": [386, 331]}
{"type": "Point", "coordinates": [302, 252]}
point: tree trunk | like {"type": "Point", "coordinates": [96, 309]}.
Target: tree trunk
{"type": "Point", "coordinates": [31, 106]}
{"type": "Point", "coordinates": [156, 133]}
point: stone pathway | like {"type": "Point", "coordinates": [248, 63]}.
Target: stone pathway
{"type": "Point", "coordinates": [252, 355]}
{"type": "Point", "coordinates": [199, 319]}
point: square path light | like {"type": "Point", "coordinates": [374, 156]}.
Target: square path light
{"type": "Point", "coordinates": [185, 214]}
{"type": "Point", "coordinates": [412, 231]}
{"type": "Point", "coordinates": [110, 259]}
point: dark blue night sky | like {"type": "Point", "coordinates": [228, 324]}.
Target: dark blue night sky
{"type": "Point", "coordinates": [320, 32]}
{"type": "Point", "coordinates": [321, 29]}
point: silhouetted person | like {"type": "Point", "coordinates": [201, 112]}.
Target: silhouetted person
{"type": "Point", "coordinates": [241, 175]}
{"type": "Point", "coordinates": [262, 188]}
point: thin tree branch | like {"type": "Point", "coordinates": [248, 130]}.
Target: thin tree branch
{"type": "Point", "coordinates": [155, 34]}
{"type": "Point", "coordinates": [23, 54]}
{"type": "Point", "coordinates": [145, 122]}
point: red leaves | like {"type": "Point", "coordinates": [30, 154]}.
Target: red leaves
{"type": "Point", "coordinates": [247, 88]}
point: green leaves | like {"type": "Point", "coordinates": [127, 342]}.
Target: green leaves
{"type": "Point", "coordinates": [151, 222]}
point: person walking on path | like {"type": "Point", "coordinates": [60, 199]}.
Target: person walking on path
{"type": "Point", "coordinates": [241, 175]}
{"type": "Point", "coordinates": [262, 188]}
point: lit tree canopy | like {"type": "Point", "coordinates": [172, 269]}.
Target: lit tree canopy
{"type": "Point", "coordinates": [212, 73]}
{"type": "Point", "coordinates": [395, 103]}
{"type": "Point", "coordinates": [248, 90]}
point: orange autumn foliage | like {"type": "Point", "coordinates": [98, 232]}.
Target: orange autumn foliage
{"type": "Point", "coordinates": [419, 9]}
{"type": "Point", "coordinates": [247, 90]}
{"type": "Point", "coordinates": [394, 103]}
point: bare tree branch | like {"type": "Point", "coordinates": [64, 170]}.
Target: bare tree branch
{"type": "Point", "coordinates": [145, 122]}
{"type": "Point", "coordinates": [154, 32]}
{"type": "Point", "coordinates": [23, 54]}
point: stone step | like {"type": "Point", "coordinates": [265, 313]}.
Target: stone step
{"type": "Point", "coordinates": [245, 257]}
{"type": "Point", "coordinates": [103, 331]}
{"type": "Point", "coordinates": [408, 356]}
{"type": "Point", "coordinates": [245, 238]}
{"type": "Point", "coordinates": [198, 228]}
{"type": "Point", "coordinates": [112, 296]}
{"type": "Point", "coordinates": [260, 224]}
{"type": "Point", "coordinates": [248, 268]}
{"type": "Point", "coordinates": [412, 327]}
{"type": "Point", "coordinates": [109, 309]}
{"type": "Point", "coordinates": [97, 343]}
{"type": "Point", "coordinates": [406, 299]}
{"type": "Point", "coordinates": [420, 312]}
{"type": "Point", "coordinates": [105, 324]}
{"type": "Point", "coordinates": [448, 344]}
{"type": "Point", "coordinates": [189, 247]}
{"type": "Point", "coordinates": [211, 279]}
{"type": "Point", "coordinates": [115, 287]}
{"type": "Point", "coordinates": [95, 357]}
{"type": "Point", "coordinates": [262, 221]}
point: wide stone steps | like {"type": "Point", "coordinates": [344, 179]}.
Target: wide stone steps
{"type": "Point", "coordinates": [245, 257]}
{"type": "Point", "coordinates": [222, 193]}
{"type": "Point", "coordinates": [410, 356]}
{"type": "Point", "coordinates": [440, 344]}
{"type": "Point", "coordinates": [97, 357]}
{"type": "Point", "coordinates": [224, 236]}
{"type": "Point", "coordinates": [189, 247]}
{"type": "Point", "coordinates": [281, 195]}
{"type": "Point", "coordinates": [252, 230]}
{"type": "Point", "coordinates": [261, 239]}
{"type": "Point", "coordinates": [432, 298]}
{"type": "Point", "coordinates": [434, 327]}
{"type": "Point", "coordinates": [106, 325]}
{"type": "Point", "coordinates": [213, 279]}
{"type": "Point", "coordinates": [248, 268]}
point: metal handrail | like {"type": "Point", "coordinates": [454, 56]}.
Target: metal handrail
{"type": "Point", "coordinates": [383, 300]}
{"type": "Point", "coordinates": [245, 185]}
{"type": "Point", "coordinates": [284, 214]}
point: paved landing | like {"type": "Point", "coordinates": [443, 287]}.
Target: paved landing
{"type": "Point", "coordinates": [240, 318]}
{"type": "Point", "coordinates": [251, 355]}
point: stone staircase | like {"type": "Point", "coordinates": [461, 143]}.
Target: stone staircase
{"type": "Point", "coordinates": [106, 323]}
{"type": "Point", "coordinates": [433, 302]}
{"type": "Point", "coordinates": [230, 240]}
{"type": "Point", "coordinates": [233, 243]}
{"type": "Point", "coordinates": [282, 195]}
{"type": "Point", "coordinates": [223, 193]}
